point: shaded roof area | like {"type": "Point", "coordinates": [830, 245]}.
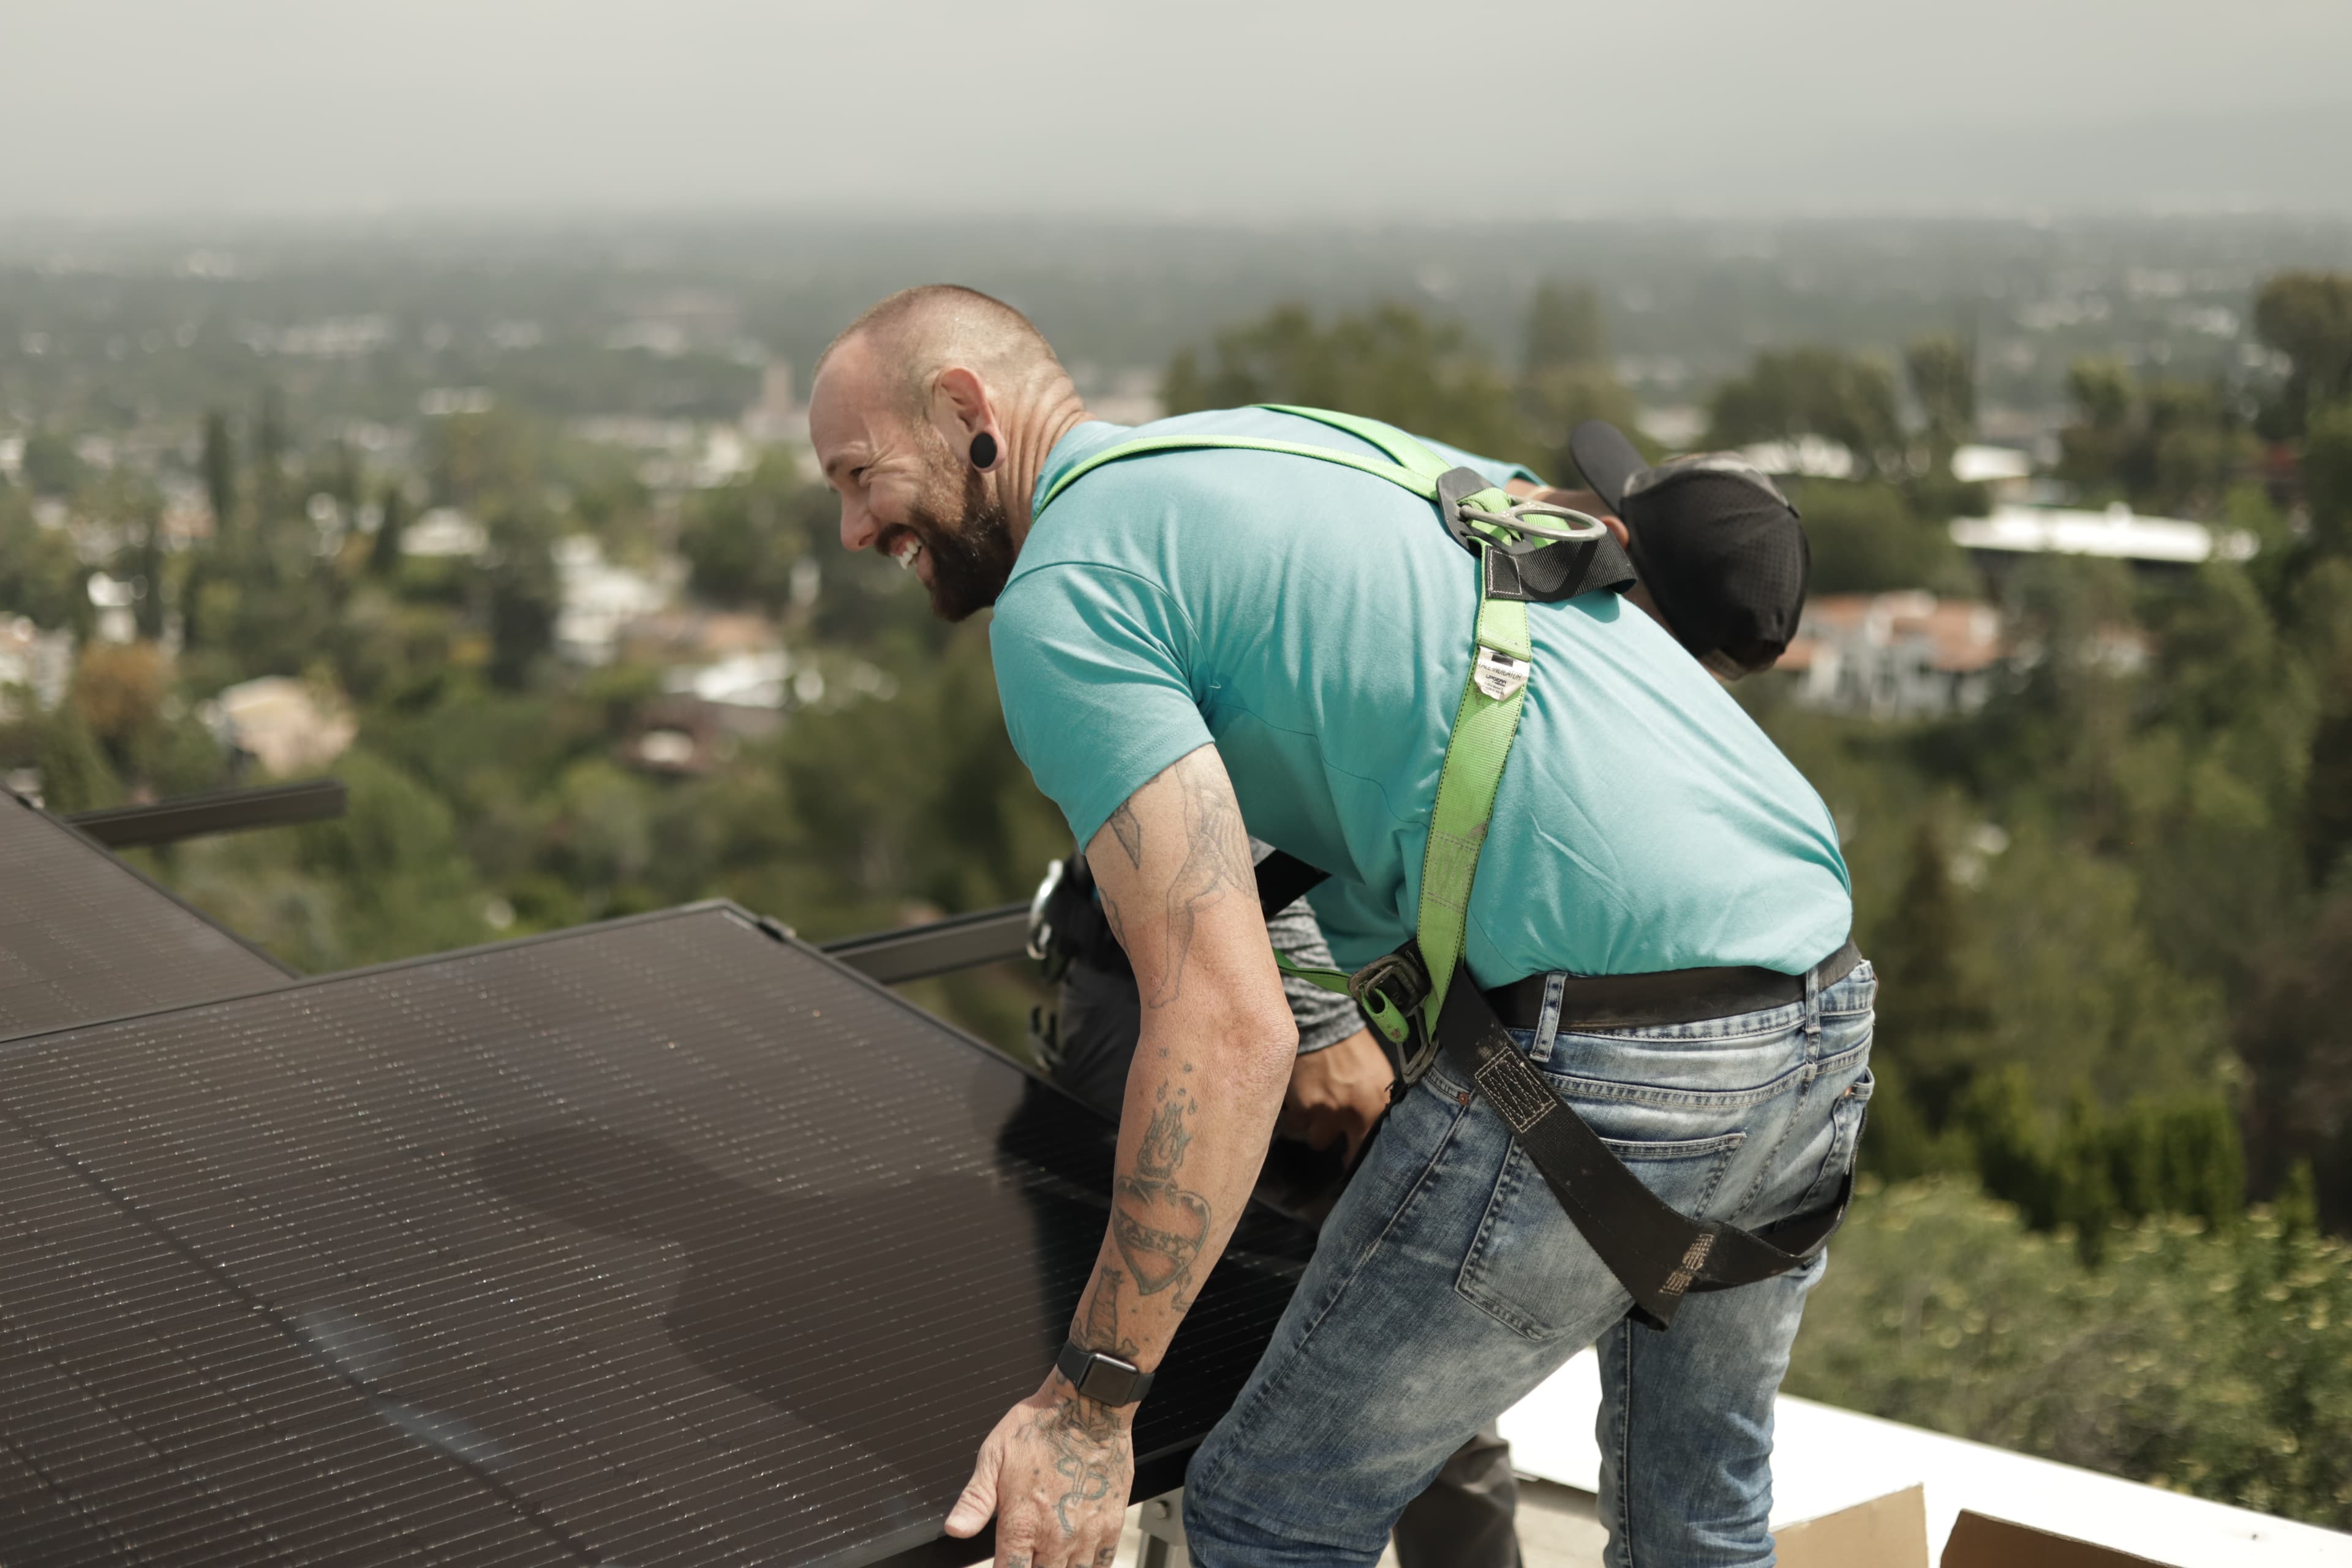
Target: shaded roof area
{"type": "Point", "coordinates": [84, 937]}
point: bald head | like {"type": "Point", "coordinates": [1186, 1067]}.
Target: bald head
{"type": "Point", "coordinates": [931, 415]}
{"type": "Point", "coordinates": [911, 337]}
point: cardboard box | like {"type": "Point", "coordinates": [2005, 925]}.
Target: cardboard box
{"type": "Point", "coordinates": [1981, 1541]}
{"type": "Point", "coordinates": [1888, 1531]}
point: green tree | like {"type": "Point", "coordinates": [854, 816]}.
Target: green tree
{"type": "Point", "coordinates": [743, 541]}
{"type": "Point", "coordinates": [1812, 391]}
{"type": "Point", "coordinates": [2307, 316]}
{"type": "Point", "coordinates": [75, 775]}
{"type": "Point", "coordinates": [2216, 1364]}
{"type": "Point", "coordinates": [383, 552]}
{"type": "Point", "coordinates": [50, 465]}
{"type": "Point", "coordinates": [218, 463]}
{"type": "Point", "coordinates": [41, 577]}
{"type": "Point", "coordinates": [270, 443]}
{"type": "Point", "coordinates": [2163, 444]}
{"type": "Point", "coordinates": [1389, 362]}
{"type": "Point", "coordinates": [1866, 539]}
{"type": "Point", "coordinates": [2327, 479]}
{"type": "Point", "coordinates": [524, 593]}
{"type": "Point", "coordinates": [1934, 1011]}
{"type": "Point", "coordinates": [1943, 377]}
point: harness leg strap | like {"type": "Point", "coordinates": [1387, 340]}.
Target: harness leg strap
{"type": "Point", "coordinates": [1659, 1254]}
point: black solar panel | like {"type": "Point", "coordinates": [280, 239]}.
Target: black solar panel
{"type": "Point", "coordinates": [662, 1241]}
{"type": "Point", "coordinates": [83, 936]}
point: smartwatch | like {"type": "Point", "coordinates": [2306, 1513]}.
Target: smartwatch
{"type": "Point", "coordinates": [1105, 1379]}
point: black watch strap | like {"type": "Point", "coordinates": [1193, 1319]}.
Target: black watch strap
{"type": "Point", "coordinates": [1105, 1379]}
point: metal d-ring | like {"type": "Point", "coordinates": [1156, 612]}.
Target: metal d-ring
{"type": "Point", "coordinates": [1517, 520]}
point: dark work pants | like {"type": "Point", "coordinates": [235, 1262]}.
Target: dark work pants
{"type": "Point", "coordinates": [1464, 1518]}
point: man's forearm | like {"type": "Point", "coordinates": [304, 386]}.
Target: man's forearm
{"type": "Point", "coordinates": [1214, 1058]}
{"type": "Point", "coordinates": [1200, 1112]}
{"type": "Point", "coordinates": [1172, 865]}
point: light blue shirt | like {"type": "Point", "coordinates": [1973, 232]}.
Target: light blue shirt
{"type": "Point", "coordinates": [1315, 623]}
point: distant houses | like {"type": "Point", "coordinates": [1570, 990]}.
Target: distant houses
{"type": "Point", "coordinates": [1894, 656]}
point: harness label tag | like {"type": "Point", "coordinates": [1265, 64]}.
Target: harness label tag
{"type": "Point", "coordinates": [1498, 675]}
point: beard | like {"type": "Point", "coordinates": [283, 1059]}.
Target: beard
{"type": "Point", "coordinates": [972, 553]}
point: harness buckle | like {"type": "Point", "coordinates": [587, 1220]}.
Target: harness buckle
{"type": "Point", "coordinates": [1390, 990]}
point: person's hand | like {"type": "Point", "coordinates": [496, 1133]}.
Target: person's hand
{"type": "Point", "coordinates": [1340, 1091]}
{"type": "Point", "coordinates": [1055, 1474]}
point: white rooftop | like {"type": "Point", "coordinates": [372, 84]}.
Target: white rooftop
{"type": "Point", "coordinates": [1825, 1459]}
{"type": "Point", "coordinates": [2118, 532]}
{"type": "Point", "coordinates": [1976, 465]}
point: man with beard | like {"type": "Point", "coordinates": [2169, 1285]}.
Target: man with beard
{"type": "Point", "coordinates": [1202, 636]}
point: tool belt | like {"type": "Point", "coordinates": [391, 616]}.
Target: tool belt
{"type": "Point", "coordinates": [1421, 996]}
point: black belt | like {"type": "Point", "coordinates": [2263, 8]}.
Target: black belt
{"type": "Point", "coordinates": [1664, 996]}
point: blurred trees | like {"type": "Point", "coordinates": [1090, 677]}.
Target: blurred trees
{"type": "Point", "coordinates": [1792, 392]}
{"type": "Point", "coordinates": [1943, 377]}
{"type": "Point", "coordinates": [2307, 316]}
{"type": "Point", "coordinates": [2214, 1362]}
{"type": "Point", "coordinates": [743, 541]}
{"type": "Point", "coordinates": [1390, 362]}
{"type": "Point", "coordinates": [2166, 445]}
{"type": "Point", "coordinates": [1869, 539]}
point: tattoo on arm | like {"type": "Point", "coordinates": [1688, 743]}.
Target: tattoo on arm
{"type": "Point", "coordinates": [1216, 861]}
{"type": "Point", "coordinates": [1088, 1455]}
{"type": "Point", "coordinates": [1098, 1319]}
{"type": "Point", "coordinates": [1161, 1224]}
{"type": "Point", "coordinates": [1129, 830]}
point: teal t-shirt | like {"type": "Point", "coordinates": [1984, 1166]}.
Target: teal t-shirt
{"type": "Point", "coordinates": [1315, 623]}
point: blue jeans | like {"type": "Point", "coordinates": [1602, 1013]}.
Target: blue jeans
{"type": "Point", "coordinates": [1448, 1284]}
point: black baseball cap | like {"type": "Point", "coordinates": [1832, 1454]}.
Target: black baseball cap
{"type": "Point", "coordinates": [1714, 542]}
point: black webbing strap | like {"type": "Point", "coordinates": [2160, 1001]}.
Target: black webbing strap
{"type": "Point", "coordinates": [1658, 1253]}
{"type": "Point", "coordinates": [1283, 878]}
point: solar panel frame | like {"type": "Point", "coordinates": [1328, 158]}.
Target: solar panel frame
{"type": "Point", "coordinates": [290, 1248]}
{"type": "Point", "coordinates": [85, 936]}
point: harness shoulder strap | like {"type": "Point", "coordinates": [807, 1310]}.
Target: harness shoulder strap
{"type": "Point", "coordinates": [1423, 486]}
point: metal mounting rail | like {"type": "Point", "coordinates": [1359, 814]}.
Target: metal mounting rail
{"type": "Point", "coordinates": [940, 947]}
{"type": "Point", "coordinates": [224, 811]}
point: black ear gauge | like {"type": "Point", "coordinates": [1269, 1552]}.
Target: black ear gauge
{"type": "Point", "coordinates": [984, 451]}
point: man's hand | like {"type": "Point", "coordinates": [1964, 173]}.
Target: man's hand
{"type": "Point", "coordinates": [1055, 1473]}
{"type": "Point", "coordinates": [1340, 1091]}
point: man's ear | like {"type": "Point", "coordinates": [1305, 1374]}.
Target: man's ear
{"type": "Point", "coordinates": [962, 410]}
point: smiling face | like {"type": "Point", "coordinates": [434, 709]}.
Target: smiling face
{"type": "Point", "coordinates": [904, 490]}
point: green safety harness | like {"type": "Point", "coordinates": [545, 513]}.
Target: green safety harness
{"type": "Point", "coordinates": [1420, 997]}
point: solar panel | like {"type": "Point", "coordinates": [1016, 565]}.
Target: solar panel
{"type": "Point", "coordinates": [666, 1240]}
{"type": "Point", "coordinates": [83, 936]}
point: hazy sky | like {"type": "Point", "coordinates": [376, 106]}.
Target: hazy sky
{"type": "Point", "coordinates": [1245, 109]}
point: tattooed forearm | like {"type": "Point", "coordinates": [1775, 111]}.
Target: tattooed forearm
{"type": "Point", "coordinates": [1129, 830]}
{"type": "Point", "coordinates": [1161, 1224]}
{"type": "Point", "coordinates": [1216, 862]}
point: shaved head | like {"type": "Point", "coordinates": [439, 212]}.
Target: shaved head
{"type": "Point", "coordinates": [931, 415]}
{"type": "Point", "coordinates": [917, 332]}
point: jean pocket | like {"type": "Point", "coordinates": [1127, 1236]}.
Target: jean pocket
{"type": "Point", "coordinates": [1527, 1267]}
{"type": "Point", "coordinates": [1847, 1115]}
